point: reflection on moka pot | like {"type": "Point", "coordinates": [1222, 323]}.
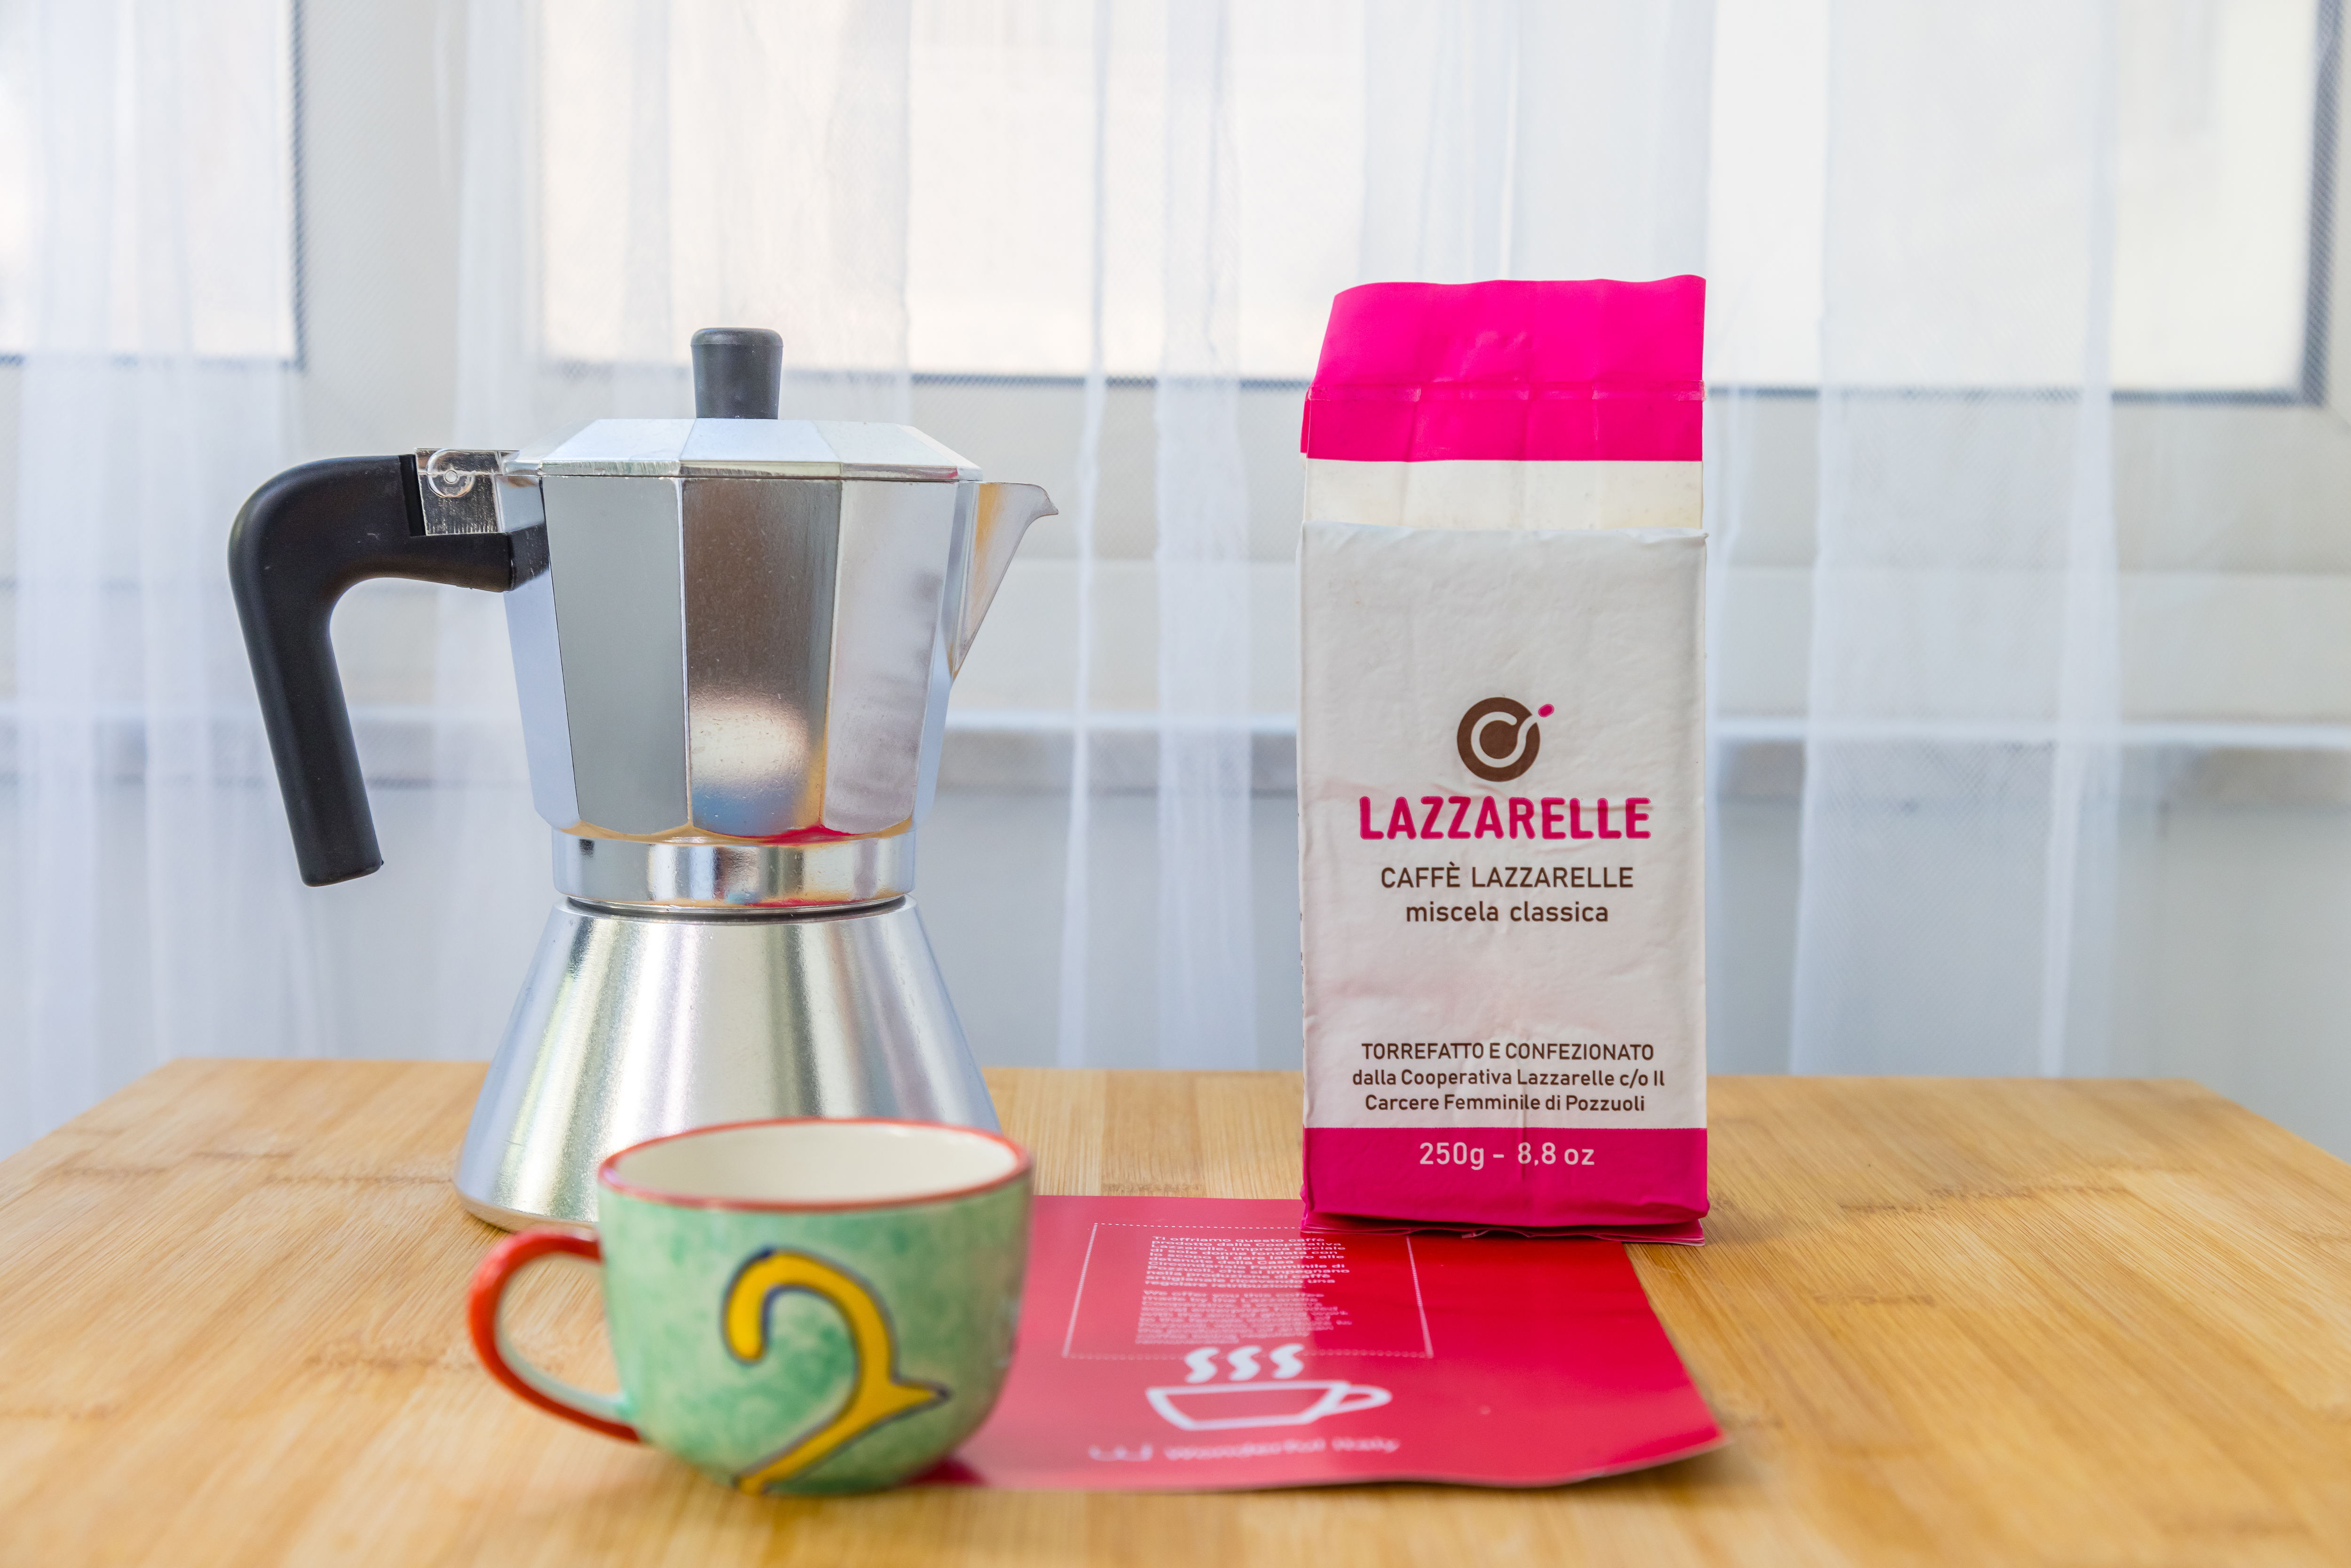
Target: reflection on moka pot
{"type": "Point", "coordinates": [733, 636]}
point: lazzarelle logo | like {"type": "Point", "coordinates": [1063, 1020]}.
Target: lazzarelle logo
{"type": "Point", "coordinates": [1499, 738]}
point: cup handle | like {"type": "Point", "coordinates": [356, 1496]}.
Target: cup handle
{"type": "Point", "coordinates": [597, 1412]}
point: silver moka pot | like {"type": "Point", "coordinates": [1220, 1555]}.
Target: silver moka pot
{"type": "Point", "coordinates": [733, 636]}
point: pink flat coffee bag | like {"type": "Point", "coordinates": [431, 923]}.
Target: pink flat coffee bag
{"type": "Point", "coordinates": [1501, 759]}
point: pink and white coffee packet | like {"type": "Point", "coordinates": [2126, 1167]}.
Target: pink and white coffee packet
{"type": "Point", "coordinates": [1501, 759]}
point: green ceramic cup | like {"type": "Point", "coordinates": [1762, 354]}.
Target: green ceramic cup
{"type": "Point", "coordinates": [796, 1306]}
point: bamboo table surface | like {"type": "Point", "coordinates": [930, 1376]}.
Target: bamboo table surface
{"type": "Point", "coordinates": [1965, 1320]}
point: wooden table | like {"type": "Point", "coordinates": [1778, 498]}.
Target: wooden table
{"type": "Point", "coordinates": [1967, 1321]}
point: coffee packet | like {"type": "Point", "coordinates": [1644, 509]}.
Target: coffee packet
{"type": "Point", "coordinates": [1501, 759]}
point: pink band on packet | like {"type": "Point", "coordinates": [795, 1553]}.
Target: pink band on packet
{"type": "Point", "coordinates": [1583, 372]}
{"type": "Point", "coordinates": [1508, 1178]}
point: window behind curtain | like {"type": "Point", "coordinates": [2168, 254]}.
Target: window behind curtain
{"type": "Point", "coordinates": [2218, 106]}
{"type": "Point", "coordinates": [229, 162]}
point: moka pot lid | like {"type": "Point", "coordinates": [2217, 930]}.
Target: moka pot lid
{"type": "Point", "coordinates": [744, 448]}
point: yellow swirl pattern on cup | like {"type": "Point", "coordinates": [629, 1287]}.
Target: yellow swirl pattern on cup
{"type": "Point", "coordinates": [877, 1394]}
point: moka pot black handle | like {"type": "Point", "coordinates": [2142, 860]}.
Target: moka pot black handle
{"type": "Point", "coordinates": [302, 539]}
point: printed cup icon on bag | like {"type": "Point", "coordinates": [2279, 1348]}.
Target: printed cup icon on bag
{"type": "Point", "coordinates": [1222, 1406]}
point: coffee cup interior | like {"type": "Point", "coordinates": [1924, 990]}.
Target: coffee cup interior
{"type": "Point", "coordinates": [812, 1163]}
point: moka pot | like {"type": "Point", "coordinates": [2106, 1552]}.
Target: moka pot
{"type": "Point", "coordinates": [733, 637]}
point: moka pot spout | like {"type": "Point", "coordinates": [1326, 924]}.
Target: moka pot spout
{"type": "Point", "coordinates": [1004, 514]}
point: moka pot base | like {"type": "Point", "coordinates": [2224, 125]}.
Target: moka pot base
{"type": "Point", "coordinates": [640, 1018]}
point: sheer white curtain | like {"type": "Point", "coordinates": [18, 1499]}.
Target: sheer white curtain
{"type": "Point", "coordinates": [1103, 233]}
{"type": "Point", "coordinates": [147, 838]}
{"type": "Point", "coordinates": [1960, 789]}
{"type": "Point", "coordinates": [1207, 968]}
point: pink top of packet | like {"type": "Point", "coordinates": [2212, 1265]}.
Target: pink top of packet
{"type": "Point", "coordinates": [1512, 371]}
